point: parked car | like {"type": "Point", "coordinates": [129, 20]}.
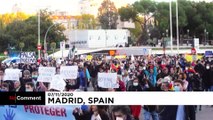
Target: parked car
{"type": "Point", "coordinates": [8, 61]}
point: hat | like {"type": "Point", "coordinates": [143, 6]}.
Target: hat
{"type": "Point", "coordinates": [167, 79]}
{"type": "Point", "coordinates": [84, 107]}
{"type": "Point", "coordinates": [26, 72]}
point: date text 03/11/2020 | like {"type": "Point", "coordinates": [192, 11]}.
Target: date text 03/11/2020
{"type": "Point", "coordinates": [79, 100]}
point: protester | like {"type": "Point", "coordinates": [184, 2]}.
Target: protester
{"type": "Point", "coordinates": [92, 113]}
{"type": "Point", "coordinates": [122, 113]}
{"type": "Point", "coordinates": [180, 112]}
{"type": "Point", "coordinates": [141, 73]}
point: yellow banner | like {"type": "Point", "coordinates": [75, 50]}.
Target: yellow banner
{"type": "Point", "coordinates": [190, 58]}
{"type": "Point", "coordinates": [120, 57]}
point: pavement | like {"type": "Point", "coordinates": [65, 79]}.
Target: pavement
{"type": "Point", "coordinates": [205, 114]}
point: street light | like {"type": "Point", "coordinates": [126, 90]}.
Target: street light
{"type": "Point", "coordinates": [187, 37]}
{"type": "Point", "coordinates": [163, 45]}
{"type": "Point", "coordinates": [207, 33]}
{"type": "Point", "coordinates": [167, 32]}
{"type": "Point", "coordinates": [39, 41]}
{"type": "Point", "coordinates": [204, 36]}
{"type": "Point", "coordinates": [188, 33]}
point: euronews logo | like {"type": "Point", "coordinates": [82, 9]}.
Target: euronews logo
{"type": "Point", "coordinates": [21, 98]}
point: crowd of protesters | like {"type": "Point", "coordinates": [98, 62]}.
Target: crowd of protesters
{"type": "Point", "coordinates": [138, 73]}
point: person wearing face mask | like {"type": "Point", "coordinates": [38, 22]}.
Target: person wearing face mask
{"type": "Point", "coordinates": [208, 77]}
{"type": "Point", "coordinates": [121, 113]}
{"type": "Point", "coordinates": [17, 87]}
{"type": "Point", "coordinates": [26, 78]}
{"type": "Point", "coordinates": [178, 112]}
{"type": "Point", "coordinates": [135, 109]}
{"type": "Point", "coordinates": [5, 87]}
{"type": "Point", "coordinates": [135, 86]}
{"type": "Point", "coordinates": [34, 75]}
{"type": "Point", "coordinates": [29, 87]}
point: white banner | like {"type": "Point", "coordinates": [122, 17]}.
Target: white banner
{"type": "Point", "coordinates": [57, 83]}
{"type": "Point", "coordinates": [46, 74]}
{"type": "Point", "coordinates": [12, 74]}
{"type": "Point", "coordinates": [28, 57]}
{"type": "Point", "coordinates": [69, 72]}
{"type": "Point", "coordinates": [128, 98]}
{"type": "Point", "coordinates": [107, 80]}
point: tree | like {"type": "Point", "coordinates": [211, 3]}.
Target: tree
{"type": "Point", "coordinates": [146, 8]}
{"type": "Point", "coordinates": [108, 15]}
{"type": "Point", "coordinates": [8, 18]}
{"type": "Point", "coordinates": [21, 45]}
{"type": "Point", "coordinates": [26, 31]}
{"type": "Point", "coordinates": [53, 47]}
{"type": "Point", "coordinates": [88, 20]}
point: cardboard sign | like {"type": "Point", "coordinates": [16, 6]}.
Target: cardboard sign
{"type": "Point", "coordinates": [107, 80]}
{"type": "Point", "coordinates": [57, 83]}
{"type": "Point", "coordinates": [69, 72]}
{"type": "Point", "coordinates": [28, 57]}
{"type": "Point", "coordinates": [46, 74]}
{"type": "Point", "coordinates": [12, 74]}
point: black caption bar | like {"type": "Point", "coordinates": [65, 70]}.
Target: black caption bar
{"type": "Point", "coordinates": [22, 98]}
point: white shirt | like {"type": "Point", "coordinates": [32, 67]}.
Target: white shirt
{"type": "Point", "coordinates": [95, 117]}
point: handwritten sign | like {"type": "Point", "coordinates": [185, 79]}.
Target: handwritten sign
{"type": "Point", "coordinates": [28, 57]}
{"type": "Point", "coordinates": [46, 74]}
{"type": "Point", "coordinates": [107, 80]}
{"type": "Point", "coordinates": [57, 83]}
{"type": "Point", "coordinates": [69, 72]}
{"type": "Point", "coordinates": [12, 74]}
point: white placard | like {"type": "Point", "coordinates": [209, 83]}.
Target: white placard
{"type": "Point", "coordinates": [107, 80]}
{"type": "Point", "coordinates": [69, 72]}
{"type": "Point", "coordinates": [12, 74]}
{"type": "Point", "coordinates": [46, 74]}
{"type": "Point", "coordinates": [57, 83]}
{"type": "Point", "coordinates": [108, 57]}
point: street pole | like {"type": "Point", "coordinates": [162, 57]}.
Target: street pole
{"type": "Point", "coordinates": [177, 24]}
{"type": "Point", "coordinates": [205, 37]}
{"type": "Point", "coordinates": [170, 9]}
{"type": "Point", "coordinates": [45, 38]}
{"type": "Point", "coordinates": [39, 51]}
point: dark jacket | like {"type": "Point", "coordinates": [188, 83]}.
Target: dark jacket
{"type": "Point", "coordinates": [84, 116]}
{"type": "Point", "coordinates": [88, 115]}
{"type": "Point", "coordinates": [208, 78]}
{"type": "Point", "coordinates": [170, 112]}
{"type": "Point", "coordinates": [150, 108]}
{"type": "Point", "coordinates": [200, 69]}
{"type": "Point", "coordinates": [135, 88]}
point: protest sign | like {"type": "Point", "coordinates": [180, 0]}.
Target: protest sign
{"type": "Point", "coordinates": [108, 57]}
{"type": "Point", "coordinates": [107, 80]}
{"type": "Point", "coordinates": [12, 74]}
{"type": "Point", "coordinates": [69, 72]}
{"type": "Point", "coordinates": [28, 57]}
{"type": "Point", "coordinates": [36, 112]}
{"type": "Point", "coordinates": [57, 83]}
{"type": "Point", "coordinates": [46, 74]}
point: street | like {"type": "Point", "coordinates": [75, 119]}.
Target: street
{"type": "Point", "coordinates": [205, 114]}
